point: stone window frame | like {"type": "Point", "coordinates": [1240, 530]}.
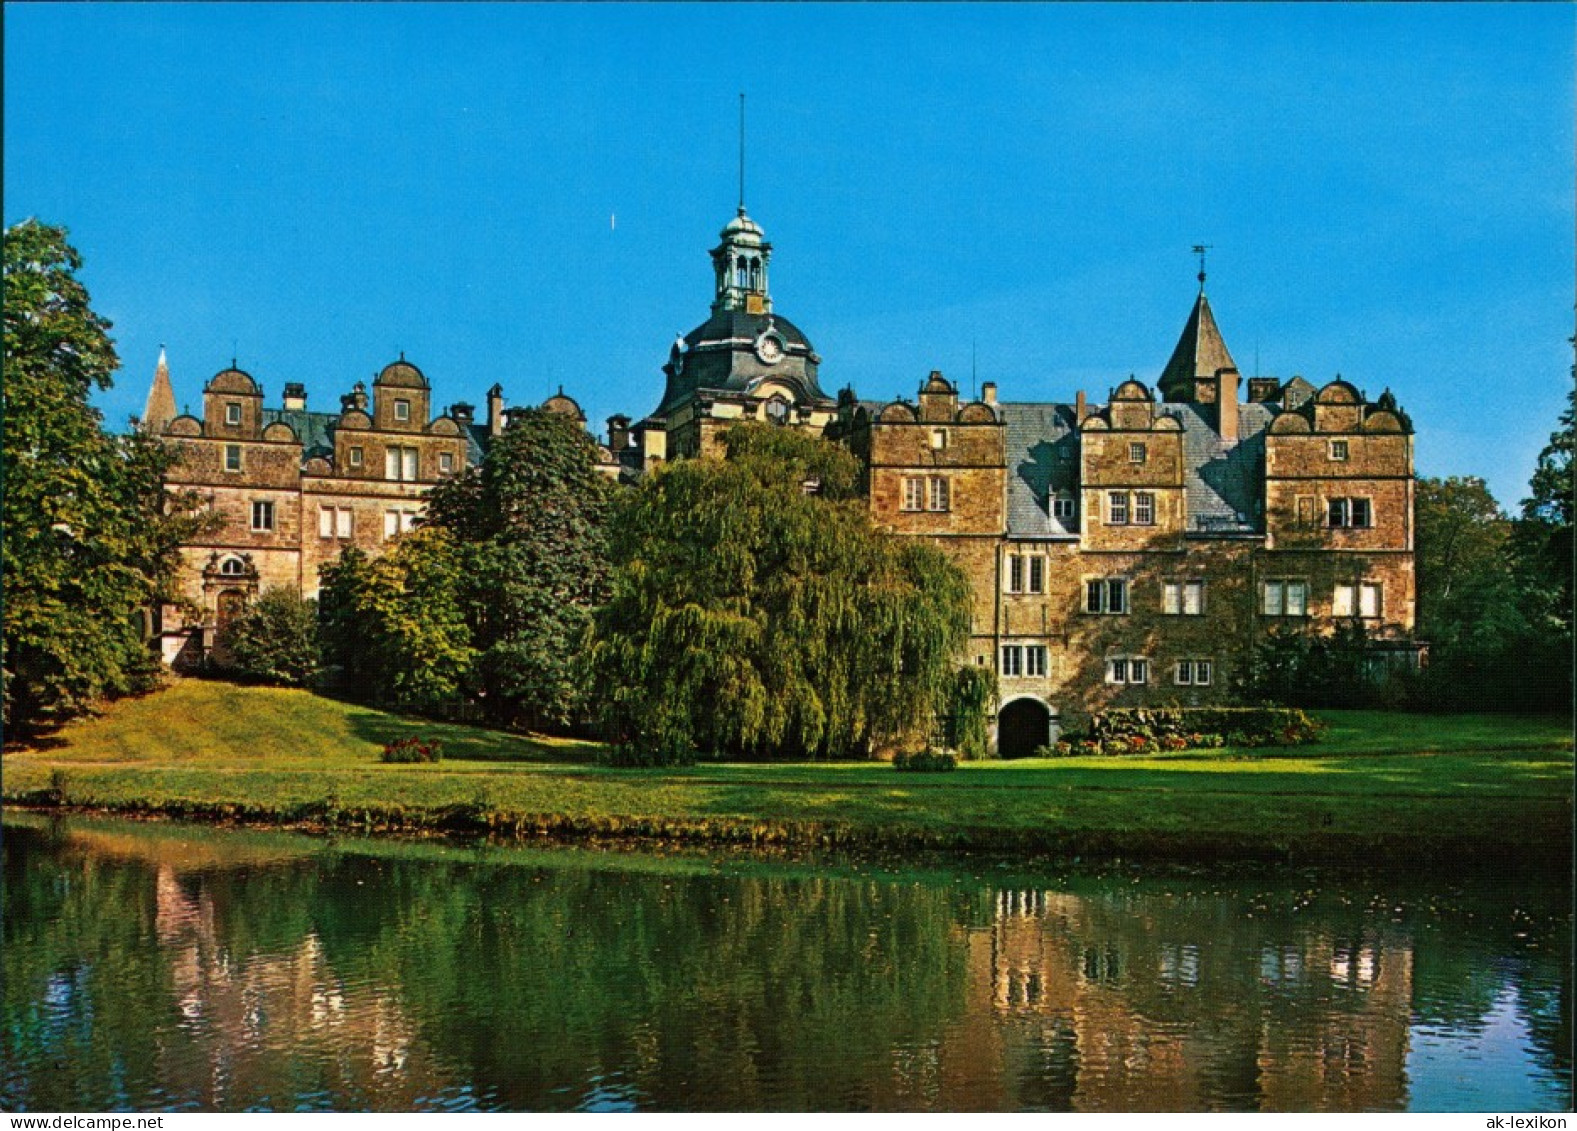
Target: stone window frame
{"type": "Point", "coordinates": [1138, 452]}
{"type": "Point", "coordinates": [336, 522]}
{"type": "Point", "coordinates": [354, 455]}
{"type": "Point", "coordinates": [1179, 589]}
{"type": "Point", "coordinates": [1194, 672]}
{"type": "Point", "coordinates": [939, 439]}
{"type": "Point", "coordinates": [914, 491]}
{"type": "Point", "coordinates": [406, 462]}
{"type": "Point", "coordinates": [232, 566]}
{"type": "Point", "coordinates": [1064, 506]}
{"type": "Point", "coordinates": [1102, 605]}
{"type": "Point", "coordinates": [265, 509]}
{"type": "Point", "coordinates": [233, 458]}
{"type": "Point", "coordinates": [1349, 512]}
{"type": "Point", "coordinates": [1357, 593]}
{"type": "Point", "coordinates": [402, 410]}
{"type": "Point", "coordinates": [1143, 505]}
{"type": "Point", "coordinates": [233, 413]}
{"type": "Point", "coordinates": [1338, 451]}
{"type": "Point", "coordinates": [1025, 661]}
{"type": "Point", "coordinates": [1117, 508]}
{"type": "Point", "coordinates": [404, 521]}
{"type": "Point", "coordinates": [939, 494]}
{"type": "Point", "coordinates": [445, 463]}
{"type": "Point", "coordinates": [1285, 586]}
{"type": "Point", "coordinates": [1128, 670]}
{"type": "Point", "coordinates": [1025, 573]}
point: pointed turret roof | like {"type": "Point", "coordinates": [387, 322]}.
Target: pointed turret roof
{"type": "Point", "coordinates": [1200, 352]}
{"type": "Point", "coordinates": [160, 409]}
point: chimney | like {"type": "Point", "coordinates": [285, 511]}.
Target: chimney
{"type": "Point", "coordinates": [358, 396]}
{"type": "Point", "coordinates": [1227, 404]}
{"type": "Point", "coordinates": [495, 410]}
{"type": "Point", "coordinates": [618, 433]}
{"type": "Point", "coordinates": [988, 392]}
{"type": "Point", "coordinates": [1263, 390]}
{"type": "Point", "coordinates": [1080, 408]}
{"type": "Point", "coordinates": [462, 413]}
{"type": "Point", "coordinates": [295, 396]}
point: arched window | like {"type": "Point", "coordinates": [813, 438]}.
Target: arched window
{"type": "Point", "coordinates": [755, 274]}
{"type": "Point", "coordinates": [232, 567]}
{"type": "Point", "coordinates": [741, 273]}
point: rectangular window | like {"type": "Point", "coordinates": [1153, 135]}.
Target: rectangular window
{"type": "Point", "coordinates": [938, 438]}
{"type": "Point", "coordinates": [1183, 598]}
{"type": "Point", "coordinates": [1062, 507]}
{"type": "Point", "coordinates": [1015, 574]}
{"type": "Point", "coordinates": [1306, 512]}
{"type": "Point", "coordinates": [326, 522]}
{"type": "Point", "coordinates": [391, 523]}
{"type": "Point", "coordinates": [344, 522]}
{"type": "Point", "coordinates": [1035, 659]}
{"type": "Point", "coordinates": [1368, 600]}
{"type": "Point", "coordinates": [408, 463]}
{"type": "Point", "coordinates": [262, 515]}
{"type": "Point", "coordinates": [940, 495]}
{"type": "Point", "coordinates": [1144, 508]}
{"type": "Point", "coordinates": [1127, 669]}
{"type": "Point", "coordinates": [400, 463]}
{"type": "Point", "coordinates": [402, 410]}
{"type": "Point", "coordinates": [1362, 599]}
{"type": "Point", "coordinates": [1338, 449]}
{"type": "Point", "coordinates": [1193, 673]}
{"type": "Point", "coordinates": [1286, 599]}
{"type": "Point", "coordinates": [1350, 512]}
{"type": "Point", "coordinates": [1012, 659]}
{"type": "Point", "coordinates": [232, 457]}
{"type": "Point", "coordinates": [232, 413]}
{"type": "Point", "coordinates": [1037, 574]}
{"type": "Point", "coordinates": [1106, 595]}
{"type": "Point", "coordinates": [446, 462]}
{"type": "Point", "coordinates": [1117, 507]}
{"type": "Point", "coordinates": [355, 457]}
{"type": "Point", "coordinates": [914, 494]}
{"type": "Point", "coordinates": [1137, 453]}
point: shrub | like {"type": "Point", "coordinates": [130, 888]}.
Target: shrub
{"type": "Point", "coordinates": [925, 762]}
{"type": "Point", "coordinates": [276, 639]}
{"type": "Point", "coordinates": [1205, 726]}
{"type": "Point", "coordinates": [413, 749]}
{"type": "Point", "coordinates": [1061, 749]}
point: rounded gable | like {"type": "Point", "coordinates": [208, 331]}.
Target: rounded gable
{"type": "Point", "coordinates": [234, 381]}
{"type": "Point", "coordinates": [1132, 390]}
{"type": "Point", "coordinates": [401, 374]}
{"type": "Point", "coordinates": [1382, 422]}
{"type": "Point", "coordinates": [317, 465]}
{"type": "Point", "coordinates": [560, 405]}
{"type": "Point", "coordinates": [443, 426]}
{"type": "Point", "coordinates": [184, 426]}
{"type": "Point", "coordinates": [355, 418]}
{"type": "Point", "coordinates": [1338, 392]}
{"type": "Point", "coordinates": [1288, 423]}
{"type": "Point", "coordinates": [897, 413]}
{"type": "Point", "coordinates": [280, 433]}
{"type": "Point", "coordinates": [977, 412]}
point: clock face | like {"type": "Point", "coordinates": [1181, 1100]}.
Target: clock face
{"type": "Point", "coordinates": [769, 349]}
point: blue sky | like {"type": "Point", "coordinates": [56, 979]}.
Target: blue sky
{"type": "Point", "coordinates": [1388, 190]}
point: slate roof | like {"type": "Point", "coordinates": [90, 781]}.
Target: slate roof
{"type": "Point", "coordinates": [314, 429]}
{"type": "Point", "coordinates": [1043, 458]}
{"type": "Point", "coordinates": [1221, 482]}
{"type": "Point", "coordinates": [1199, 353]}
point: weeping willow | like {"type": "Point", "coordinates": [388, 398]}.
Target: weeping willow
{"type": "Point", "coordinates": [750, 618]}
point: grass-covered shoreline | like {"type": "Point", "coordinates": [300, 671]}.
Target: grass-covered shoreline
{"type": "Point", "coordinates": [1378, 788]}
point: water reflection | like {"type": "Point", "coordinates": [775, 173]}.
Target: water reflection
{"type": "Point", "coordinates": [160, 967]}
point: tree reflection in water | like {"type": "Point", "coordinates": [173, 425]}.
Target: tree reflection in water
{"type": "Point", "coordinates": [160, 967]}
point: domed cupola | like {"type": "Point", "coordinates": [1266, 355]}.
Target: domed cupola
{"type": "Point", "coordinates": [744, 349]}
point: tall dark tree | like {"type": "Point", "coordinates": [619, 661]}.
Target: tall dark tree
{"type": "Point", "coordinates": [90, 540]}
{"type": "Point", "coordinates": [756, 612]}
{"type": "Point", "coordinates": [530, 526]}
{"type": "Point", "coordinates": [394, 624]}
{"type": "Point", "coordinates": [1543, 546]}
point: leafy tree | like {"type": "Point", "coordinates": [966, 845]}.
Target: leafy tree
{"type": "Point", "coordinates": [90, 539]}
{"type": "Point", "coordinates": [1542, 545]}
{"type": "Point", "coordinates": [395, 624]}
{"type": "Point", "coordinates": [276, 639]}
{"type": "Point", "coordinates": [530, 524]}
{"type": "Point", "coordinates": [756, 612]}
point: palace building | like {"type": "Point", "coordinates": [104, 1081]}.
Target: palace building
{"type": "Point", "coordinates": [1131, 551]}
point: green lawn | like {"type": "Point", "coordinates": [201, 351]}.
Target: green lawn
{"type": "Point", "coordinates": [1380, 783]}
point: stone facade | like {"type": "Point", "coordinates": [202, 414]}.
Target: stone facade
{"type": "Point", "coordinates": [292, 489]}
{"type": "Point", "coordinates": [1131, 552]}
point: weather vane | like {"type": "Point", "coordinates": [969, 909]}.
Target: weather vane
{"type": "Point", "coordinates": [1199, 250]}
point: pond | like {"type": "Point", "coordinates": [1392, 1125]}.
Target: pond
{"type": "Point", "coordinates": [160, 966]}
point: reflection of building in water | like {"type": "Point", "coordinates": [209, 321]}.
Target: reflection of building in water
{"type": "Point", "coordinates": [1125, 1004]}
{"type": "Point", "coordinates": [258, 1019]}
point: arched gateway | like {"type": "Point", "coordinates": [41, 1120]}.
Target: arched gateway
{"type": "Point", "coordinates": [1022, 725]}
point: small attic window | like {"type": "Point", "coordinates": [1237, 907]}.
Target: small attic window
{"type": "Point", "coordinates": [355, 457]}
{"type": "Point", "coordinates": [402, 410]}
{"type": "Point", "coordinates": [232, 412]}
{"type": "Point", "coordinates": [1338, 450]}
{"type": "Point", "coordinates": [938, 439]}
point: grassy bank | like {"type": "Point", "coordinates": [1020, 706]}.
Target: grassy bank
{"type": "Point", "coordinates": [1380, 787]}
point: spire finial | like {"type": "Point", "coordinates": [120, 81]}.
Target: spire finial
{"type": "Point", "coordinates": [1199, 250]}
